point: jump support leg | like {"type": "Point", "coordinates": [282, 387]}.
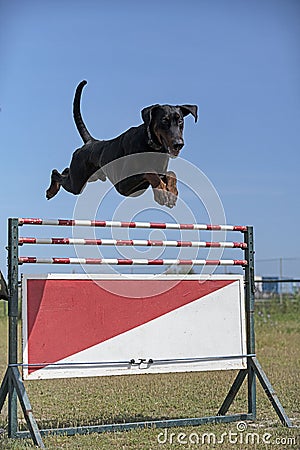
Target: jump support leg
{"type": "Point", "coordinates": [232, 392]}
{"type": "Point", "coordinates": [13, 387]}
{"type": "Point", "coordinates": [256, 371]}
{"type": "Point", "coordinates": [267, 387]}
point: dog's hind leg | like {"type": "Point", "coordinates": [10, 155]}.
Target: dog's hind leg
{"type": "Point", "coordinates": [73, 178]}
{"type": "Point", "coordinates": [56, 179]}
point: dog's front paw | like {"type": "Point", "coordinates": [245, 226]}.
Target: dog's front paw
{"type": "Point", "coordinates": [164, 198]}
{"type": "Point", "coordinates": [172, 199]}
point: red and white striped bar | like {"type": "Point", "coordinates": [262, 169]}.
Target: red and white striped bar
{"type": "Point", "coordinates": [107, 223]}
{"type": "Point", "coordinates": [129, 242]}
{"type": "Point", "coordinates": [130, 262]}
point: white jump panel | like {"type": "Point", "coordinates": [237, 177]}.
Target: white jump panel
{"type": "Point", "coordinates": [97, 325]}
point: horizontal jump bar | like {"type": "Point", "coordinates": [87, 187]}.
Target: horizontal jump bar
{"type": "Point", "coordinates": [157, 423]}
{"type": "Point", "coordinates": [130, 242]}
{"type": "Point", "coordinates": [134, 362]}
{"type": "Point", "coordinates": [107, 223]}
{"type": "Point", "coordinates": [129, 262]}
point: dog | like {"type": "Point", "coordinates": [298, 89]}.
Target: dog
{"type": "Point", "coordinates": [133, 161]}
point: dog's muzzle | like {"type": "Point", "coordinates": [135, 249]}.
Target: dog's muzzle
{"type": "Point", "coordinates": [174, 151]}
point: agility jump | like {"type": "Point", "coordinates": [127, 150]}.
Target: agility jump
{"type": "Point", "coordinates": [177, 301]}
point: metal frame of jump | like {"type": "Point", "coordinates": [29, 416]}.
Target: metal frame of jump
{"type": "Point", "coordinates": [12, 385]}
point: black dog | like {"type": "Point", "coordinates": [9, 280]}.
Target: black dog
{"type": "Point", "coordinates": [134, 160]}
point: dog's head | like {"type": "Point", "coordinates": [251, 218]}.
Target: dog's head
{"type": "Point", "coordinates": [164, 124]}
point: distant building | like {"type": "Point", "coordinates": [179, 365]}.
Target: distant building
{"type": "Point", "coordinates": [270, 285]}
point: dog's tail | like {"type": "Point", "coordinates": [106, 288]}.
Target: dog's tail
{"type": "Point", "coordinates": [82, 129]}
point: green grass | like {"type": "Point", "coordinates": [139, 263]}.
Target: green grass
{"type": "Point", "coordinates": [90, 401]}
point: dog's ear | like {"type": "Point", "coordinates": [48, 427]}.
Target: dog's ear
{"type": "Point", "coordinates": [147, 114]}
{"type": "Point", "coordinates": [189, 109]}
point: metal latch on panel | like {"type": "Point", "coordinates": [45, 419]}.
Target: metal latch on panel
{"type": "Point", "coordinates": [142, 363]}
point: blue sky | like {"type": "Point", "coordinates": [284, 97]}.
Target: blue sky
{"type": "Point", "coordinates": [239, 61]}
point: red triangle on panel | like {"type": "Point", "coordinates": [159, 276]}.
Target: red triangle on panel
{"type": "Point", "coordinates": [67, 316]}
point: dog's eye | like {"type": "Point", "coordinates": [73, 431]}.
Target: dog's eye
{"type": "Point", "coordinates": [180, 122]}
{"type": "Point", "coordinates": [165, 123]}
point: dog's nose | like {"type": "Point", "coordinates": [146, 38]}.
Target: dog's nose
{"type": "Point", "coordinates": [178, 145]}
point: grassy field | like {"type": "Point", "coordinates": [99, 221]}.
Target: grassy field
{"type": "Point", "coordinates": [132, 398]}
